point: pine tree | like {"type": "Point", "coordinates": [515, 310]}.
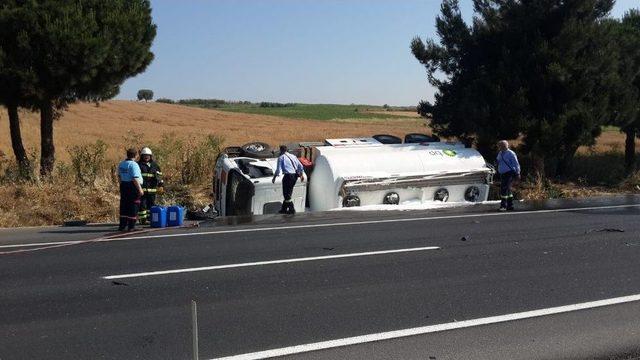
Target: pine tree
{"type": "Point", "coordinates": [76, 50]}
{"type": "Point", "coordinates": [535, 69]}
{"type": "Point", "coordinates": [12, 80]}
{"type": "Point", "coordinates": [625, 94]}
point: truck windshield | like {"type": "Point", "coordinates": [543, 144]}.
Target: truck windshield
{"type": "Point", "coordinates": [252, 170]}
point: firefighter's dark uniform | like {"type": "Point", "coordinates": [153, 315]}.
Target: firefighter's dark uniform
{"type": "Point", "coordinates": [152, 179]}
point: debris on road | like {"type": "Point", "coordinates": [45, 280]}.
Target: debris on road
{"type": "Point", "coordinates": [610, 230]}
{"type": "Point", "coordinates": [75, 223]}
{"type": "Point", "coordinates": [605, 230]}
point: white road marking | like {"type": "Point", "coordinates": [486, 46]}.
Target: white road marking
{"type": "Point", "coordinates": [41, 244]}
{"type": "Point", "coordinates": [323, 225]}
{"type": "Point", "coordinates": [269, 262]}
{"type": "Point", "coordinates": [429, 329]}
{"type": "Point", "coordinates": [367, 222]}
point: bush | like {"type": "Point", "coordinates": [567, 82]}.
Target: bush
{"type": "Point", "coordinates": [11, 173]}
{"type": "Point", "coordinates": [537, 188]}
{"type": "Point", "coordinates": [165, 101]}
{"type": "Point", "coordinates": [205, 103]}
{"type": "Point", "coordinates": [632, 183]}
{"type": "Point", "coordinates": [88, 161]}
{"type": "Point", "coordinates": [265, 104]}
{"type": "Point", "coordinates": [187, 161]}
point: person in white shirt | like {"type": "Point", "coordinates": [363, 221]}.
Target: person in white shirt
{"type": "Point", "coordinates": [291, 169]}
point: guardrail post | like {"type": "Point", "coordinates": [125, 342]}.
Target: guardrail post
{"type": "Point", "coordinates": [194, 329]}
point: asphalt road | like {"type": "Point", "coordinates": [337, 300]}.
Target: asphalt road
{"type": "Point", "coordinates": [277, 282]}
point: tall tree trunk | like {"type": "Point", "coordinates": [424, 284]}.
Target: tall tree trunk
{"type": "Point", "coordinates": [16, 141]}
{"type": "Point", "coordinates": [630, 150]}
{"type": "Point", "coordinates": [47, 149]}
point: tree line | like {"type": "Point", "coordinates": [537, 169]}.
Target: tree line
{"type": "Point", "coordinates": [548, 72]}
{"type": "Point", "coordinates": [54, 53]}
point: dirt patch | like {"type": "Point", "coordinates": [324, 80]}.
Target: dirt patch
{"type": "Point", "coordinates": [409, 114]}
{"type": "Point", "coordinates": [608, 141]}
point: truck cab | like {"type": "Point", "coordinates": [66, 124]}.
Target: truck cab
{"type": "Point", "coordinates": [242, 186]}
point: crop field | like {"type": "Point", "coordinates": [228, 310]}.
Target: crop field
{"type": "Point", "coordinates": [123, 123]}
{"type": "Point", "coordinates": [319, 111]}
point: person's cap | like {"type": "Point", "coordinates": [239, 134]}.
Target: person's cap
{"type": "Point", "coordinates": [146, 151]}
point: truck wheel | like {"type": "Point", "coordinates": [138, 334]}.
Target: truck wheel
{"type": "Point", "coordinates": [387, 139]}
{"type": "Point", "coordinates": [415, 138]}
{"type": "Point", "coordinates": [232, 151]}
{"type": "Point", "coordinates": [258, 150]}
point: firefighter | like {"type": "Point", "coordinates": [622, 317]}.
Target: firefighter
{"type": "Point", "coordinates": [291, 169]}
{"type": "Point", "coordinates": [152, 183]}
{"type": "Point", "coordinates": [130, 190]}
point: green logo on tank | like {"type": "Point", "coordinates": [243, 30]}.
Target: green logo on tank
{"type": "Point", "coordinates": [449, 152]}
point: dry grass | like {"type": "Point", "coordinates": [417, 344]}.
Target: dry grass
{"type": "Point", "coordinates": [53, 203]}
{"type": "Point", "coordinates": [609, 140]}
{"type": "Point", "coordinates": [110, 122]}
{"type": "Point", "coordinates": [541, 189]}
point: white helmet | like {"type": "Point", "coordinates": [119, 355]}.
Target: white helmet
{"type": "Point", "coordinates": [146, 151]}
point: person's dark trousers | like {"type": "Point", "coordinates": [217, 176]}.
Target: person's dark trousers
{"type": "Point", "coordinates": [506, 196]}
{"type": "Point", "coordinates": [288, 182]}
{"type": "Point", "coordinates": [147, 201]}
{"type": "Point", "coordinates": [129, 203]}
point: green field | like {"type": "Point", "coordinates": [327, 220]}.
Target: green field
{"type": "Point", "coordinates": [312, 111]}
{"type": "Point", "coordinates": [610, 128]}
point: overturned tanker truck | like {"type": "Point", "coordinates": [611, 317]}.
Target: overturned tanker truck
{"type": "Point", "coordinates": [353, 172]}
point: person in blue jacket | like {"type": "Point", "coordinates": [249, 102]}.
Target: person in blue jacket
{"type": "Point", "coordinates": [130, 190]}
{"type": "Point", "coordinates": [509, 170]}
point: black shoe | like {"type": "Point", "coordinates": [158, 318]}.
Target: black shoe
{"type": "Point", "coordinates": [510, 208]}
{"type": "Point", "coordinates": [121, 229]}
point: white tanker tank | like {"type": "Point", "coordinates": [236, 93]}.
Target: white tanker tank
{"type": "Point", "coordinates": [360, 172]}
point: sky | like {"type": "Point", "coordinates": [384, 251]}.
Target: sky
{"type": "Point", "coordinates": [305, 51]}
